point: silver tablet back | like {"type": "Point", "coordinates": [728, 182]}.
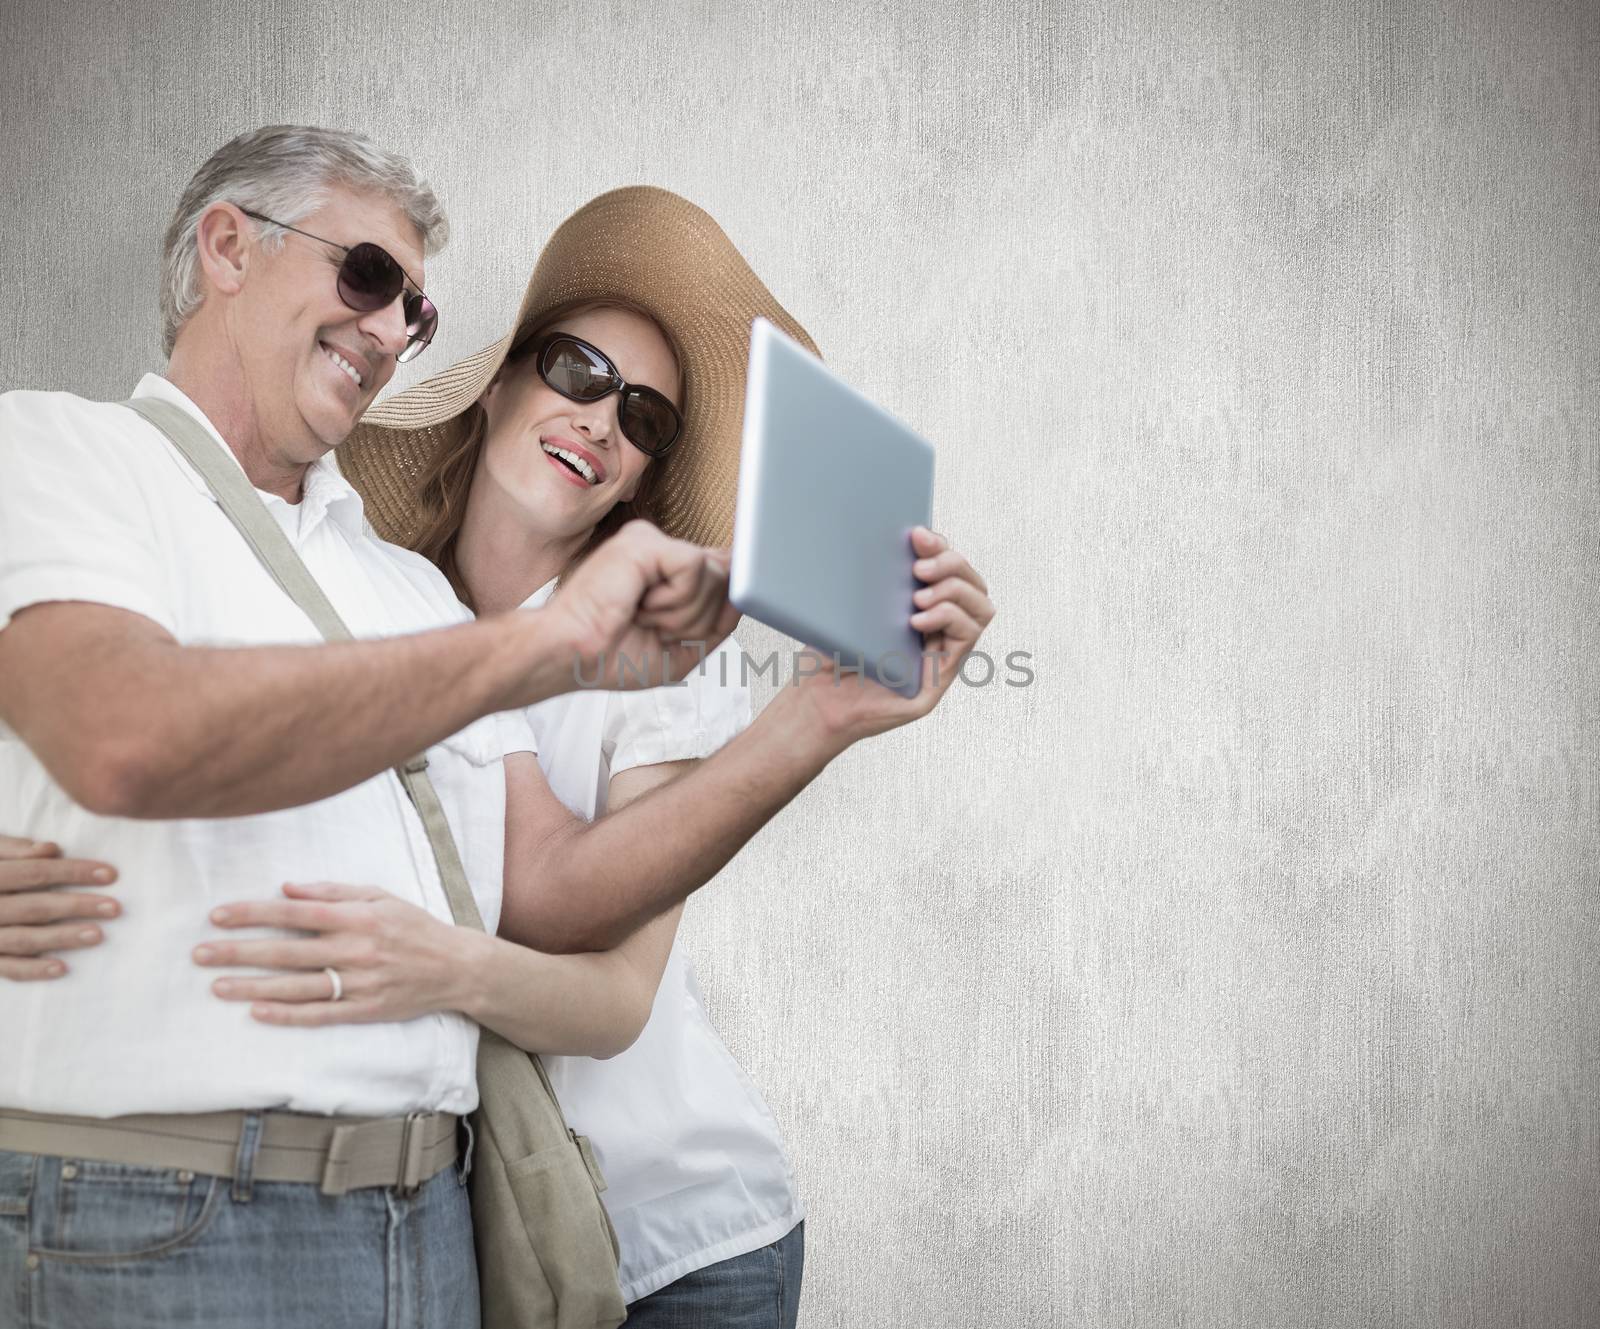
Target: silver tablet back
{"type": "Point", "coordinates": [830, 485]}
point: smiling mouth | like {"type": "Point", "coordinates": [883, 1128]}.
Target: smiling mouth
{"type": "Point", "coordinates": [351, 372]}
{"type": "Point", "coordinates": [573, 462]}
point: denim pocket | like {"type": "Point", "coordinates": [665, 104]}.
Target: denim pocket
{"type": "Point", "coordinates": [89, 1210]}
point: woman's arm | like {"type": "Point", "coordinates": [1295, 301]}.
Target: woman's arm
{"type": "Point", "coordinates": [396, 961]}
{"type": "Point", "coordinates": [573, 885]}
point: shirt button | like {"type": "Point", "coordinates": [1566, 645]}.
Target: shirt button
{"type": "Point", "coordinates": [186, 1176]}
{"type": "Point", "coordinates": [68, 1171]}
{"type": "Point", "coordinates": [33, 1260]}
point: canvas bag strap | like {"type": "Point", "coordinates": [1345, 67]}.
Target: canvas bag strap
{"type": "Point", "coordinates": [271, 546]}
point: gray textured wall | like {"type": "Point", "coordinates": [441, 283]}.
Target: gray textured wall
{"type": "Point", "coordinates": [1240, 972]}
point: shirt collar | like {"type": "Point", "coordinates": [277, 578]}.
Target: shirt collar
{"type": "Point", "coordinates": [537, 599]}
{"type": "Point", "coordinates": [326, 490]}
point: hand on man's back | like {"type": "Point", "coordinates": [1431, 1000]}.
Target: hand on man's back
{"type": "Point", "coordinates": [41, 912]}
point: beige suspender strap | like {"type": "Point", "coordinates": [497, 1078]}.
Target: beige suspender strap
{"type": "Point", "coordinates": [463, 907]}
{"type": "Point", "coordinates": [246, 511]}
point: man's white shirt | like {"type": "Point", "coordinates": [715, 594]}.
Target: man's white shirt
{"type": "Point", "coordinates": [96, 505]}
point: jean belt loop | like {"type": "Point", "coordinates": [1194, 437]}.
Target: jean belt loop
{"type": "Point", "coordinates": [244, 1160]}
{"type": "Point", "coordinates": [466, 1154]}
{"type": "Point", "coordinates": [410, 1172]}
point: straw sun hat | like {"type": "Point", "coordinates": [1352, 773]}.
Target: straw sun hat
{"type": "Point", "coordinates": [648, 248]}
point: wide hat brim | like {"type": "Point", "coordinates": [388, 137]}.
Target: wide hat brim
{"type": "Point", "coordinates": [643, 246]}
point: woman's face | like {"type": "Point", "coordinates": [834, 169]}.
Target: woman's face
{"type": "Point", "coordinates": [528, 421]}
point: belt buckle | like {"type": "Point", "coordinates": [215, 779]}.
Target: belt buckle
{"type": "Point", "coordinates": [409, 1180]}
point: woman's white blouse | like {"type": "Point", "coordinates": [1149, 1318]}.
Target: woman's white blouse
{"type": "Point", "coordinates": [694, 1163]}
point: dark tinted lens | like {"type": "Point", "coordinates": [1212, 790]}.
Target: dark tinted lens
{"type": "Point", "coordinates": [648, 419]}
{"type": "Point", "coordinates": [369, 278]}
{"type": "Point", "coordinates": [421, 317]}
{"type": "Point", "coordinates": [421, 321]}
{"type": "Point", "coordinates": [576, 372]}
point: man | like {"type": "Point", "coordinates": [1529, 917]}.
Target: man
{"type": "Point", "coordinates": [151, 669]}
{"type": "Point", "coordinates": [151, 748]}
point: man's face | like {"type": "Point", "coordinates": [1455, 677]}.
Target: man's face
{"type": "Point", "coordinates": [292, 329]}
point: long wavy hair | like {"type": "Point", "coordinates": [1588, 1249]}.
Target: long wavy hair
{"type": "Point", "coordinates": [448, 481]}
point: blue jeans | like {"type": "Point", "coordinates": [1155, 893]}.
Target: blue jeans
{"type": "Point", "coordinates": [108, 1245]}
{"type": "Point", "coordinates": [760, 1290]}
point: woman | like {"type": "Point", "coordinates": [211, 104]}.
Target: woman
{"type": "Point", "coordinates": [617, 394]}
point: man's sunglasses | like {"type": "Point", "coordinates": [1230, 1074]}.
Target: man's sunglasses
{"type": "Point", "coordinates": [369, 279]}
{"type": "Point", "coordinates": [582, 372]}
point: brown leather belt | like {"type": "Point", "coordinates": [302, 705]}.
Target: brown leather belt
{"type": "Point", "coordinates": [338, 1153]}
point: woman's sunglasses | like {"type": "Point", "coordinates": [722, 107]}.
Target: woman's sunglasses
{"type": "Point", "coordinates": [369, 279]}
{"type": "Point", "coordinates": [582, 372]}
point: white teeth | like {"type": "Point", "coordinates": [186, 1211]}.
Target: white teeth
{"type": "Point", "coordinates": [583, 467]}
{"type": "Point", "coordinates": [344, 364]}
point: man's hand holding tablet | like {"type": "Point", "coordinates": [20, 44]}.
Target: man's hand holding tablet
{"type": "Point", "coordinates": [623, 636]}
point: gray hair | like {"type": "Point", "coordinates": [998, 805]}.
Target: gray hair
{"type": "Point", "coordinates": [284, 171]}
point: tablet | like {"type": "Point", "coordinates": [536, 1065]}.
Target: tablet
{"type": "Point", "coordinates": [830, 485]}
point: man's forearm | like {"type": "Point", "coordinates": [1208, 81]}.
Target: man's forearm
{"type": "Point", "coordinates": [133, 724]}
{"type": "Point", "coordinates": [595, 883]}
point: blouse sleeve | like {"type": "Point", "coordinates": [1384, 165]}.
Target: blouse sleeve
{"type": "Point", "coordinates": [692, 719]}
{"type": "Point", "coordinates": [516, 732]}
